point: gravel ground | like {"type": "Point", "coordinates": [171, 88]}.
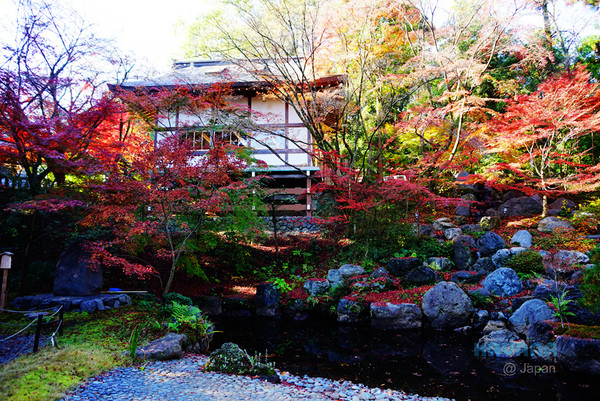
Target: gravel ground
{"type": "Point", "coordinates": [16, 346]}
{"type": "Point", "coordinates": [184, 380]}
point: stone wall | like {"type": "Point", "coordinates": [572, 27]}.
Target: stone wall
{"type": "Point", "coordinates": [293, 223]}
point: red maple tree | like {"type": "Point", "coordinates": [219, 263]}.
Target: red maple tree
{"type": "Point", "coordinates": [539, 137]}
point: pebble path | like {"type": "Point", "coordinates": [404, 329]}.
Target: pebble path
{"type": "Point", "coordinates": [184, 380]}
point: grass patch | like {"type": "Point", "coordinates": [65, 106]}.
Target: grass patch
{"type": "Point", "coordinates": [91, 345]}
{"type": "Point", "coordinates": [48, 374]}
{"type": "Point", "coordinates": [577, 330]}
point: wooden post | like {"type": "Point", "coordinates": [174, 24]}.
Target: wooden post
{"type": "Point", "coordinates": [38, 332]}
{"type": "Point", "coordinates": [5, 264]}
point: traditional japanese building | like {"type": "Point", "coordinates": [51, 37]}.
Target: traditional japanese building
{"type": "Point", "coordinates": [254, 118]}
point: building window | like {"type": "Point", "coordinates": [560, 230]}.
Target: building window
{"type": "Point", "coordinates": [204, 140]}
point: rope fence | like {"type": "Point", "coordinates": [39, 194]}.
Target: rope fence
{"type": "Point", "coordinates": [42, 319]}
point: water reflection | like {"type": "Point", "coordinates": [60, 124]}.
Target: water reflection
{"type": "Point", "coordinates": [430, 363]}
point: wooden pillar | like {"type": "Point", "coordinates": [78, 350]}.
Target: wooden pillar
{"type": "Point", "coordinates": [308, 195]}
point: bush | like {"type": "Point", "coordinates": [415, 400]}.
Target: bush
{"type": "Point", "coordinates": [590, 287]}
{"type": "Point", "coordinates": [189, 320]}
{"type": "Point", "coordinates": [178, 298]}
{"type": "Point", "coordinates": [528, 262]}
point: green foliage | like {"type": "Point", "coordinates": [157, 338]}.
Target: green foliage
{"type": "Point", "coordinates": [590, 285]}
{"type": "Point", "coordinates": [561, 304]}
{"type": "Point", "coordinates": [174, 297]}
{"type": "Point", "coordinates": [479, 300]}
{"type": "Point", "coordinates": [134, 341]}
{"type": "Point", "coordinates": [589, 54]}
{"type": "Point", "coordinates": [428, 247]}
{"type": "Point", "coordinates": [528, 262]}
{"type": "Point", "coordinates": [189, 320]}
{"type": "Point", "coordinates": [281, 285]}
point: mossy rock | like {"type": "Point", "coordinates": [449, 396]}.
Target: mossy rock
{"type": "Point", "coordinates": [230, 358]}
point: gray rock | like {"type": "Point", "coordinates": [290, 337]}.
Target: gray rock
{"type": "Point", "coordinates": [335, 278]}
{"type": "Point", "coordinates": [489, 222]}
{"type": "Point", "coordinates": [440, 264]}
{"type": "Point", "coordinates": [348, 311]}
{"type": "Point", "coordinates": [503, 282]}
{"type": "Point", "coordinates": [443, 224]}
{"type": "Point", "coordinates": [521, 206]}
{"type": "Point", "coordinates": [522, 238]}
{"type": "Point", "coordinates": [570, 258]}
{"type": "Point", "coordinates": [378, 272]}
{"type": "Point", "coordinates": [493, 325]}
{"type": "Point", "coordinates": [466, 277]}
{"type": "Point", "coordinates": [92, 305]}
{"type": "Point", "coordinates": [316, 287]}
{"type": "Point", "coordinates": [531, 311]}
{"type": "Point", "coordinates": [471, 228]}
{"type": "Point", "coordinates": [484, 266]}
{"type": "Point", "coordinates": [464, 255]}
{"type": "Point", "coordinates": [396, 317]}
{"type": "Point", "coordinates": [503, 255]}
{"type": "Point", "coordinates": [501, 344]}
{"type": "Point", "coordinates": [551, 224]}
{"type": "Point", "coordinates": [74, 276]}
{"type": "Point", "coordinates": [481, 291]}
{"type": "Point", "coordinates": [466, 240]}
{"type": "Point", "coordinates": [489, 243]}
{"type": "Point", "coordinates": [579, 355]}
{"type": "Point", "coordinates": [266, 301]}
{"type": "Point", "coordinates": [447, 306]}
{"type": "Point", "coordinates": [562, 204]}
{"type": "Point", "coordinates": [421, 275]}
{"type": "Point", "coordinates": [349, 270]}
{"type": "Point", "coordinates": [168, 347]}
{"type": "Point", "coordinates": [540, 332]}
{"type": "Point", "coordinates": [399, 267]}
{"type": "Point", "coordinates": [212, 306]}
{"type": "Point", "coordinates": [452, 233]}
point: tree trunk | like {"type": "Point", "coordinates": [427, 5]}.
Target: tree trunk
{"type": "Point", "coordinates": [544, 206]}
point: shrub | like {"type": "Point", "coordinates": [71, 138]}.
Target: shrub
{"type": "Point", "coordinates": [528, 262]}
{"type": "Point", "coordinates": [590, 287]}
{"type": "Point", "coordinates": [173, 297]}
{"type": "Point", "coordinates": [189, 320]}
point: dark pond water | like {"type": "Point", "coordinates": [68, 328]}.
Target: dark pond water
{"type": "Point", "coordinates": [428, 363]}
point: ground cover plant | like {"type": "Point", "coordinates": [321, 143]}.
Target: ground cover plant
{"type": "Point", "coordinates": [91, 344]}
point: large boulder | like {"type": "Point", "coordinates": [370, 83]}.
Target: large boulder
{"type": "Point", "coordinates": [464, 251]}
{"type": "Point", "coordinates": [349, 311]}
{"type": "Point", "coordinates": [521, 206]}
{"type": "Point", "coordinates": [447, 306]}
{"type": "Point", "coordinates": [503, 282]}
{"type": "Point", "coordinates": [562, 204]}
{"type": "Point", "coordinates": [552, 224]}
{"type": "Point", "coordinates": [168, 347]}
{"type": "Point", "coordinates": [421, 275]}
{"type": "Point", "coordinates": [503, 255]}
{"type": "Point", "coordinates": [399, 267]}
{"type": "Point", "coordinates": [489, 243]}
{"type": "Point", "coordinates": [442, 224]}
{"type": "Point", "coordinates": [266, 301]}
{"type": "Point", "coordinates": [501, 344]}
{"type": "Point", "coordinates": [74, 275]}
{"type": "Point", "coordinates": [530, 312]}
{"type": "Point", "coordinates": [229, 358]}
{"type": "Point", "coordinates": [335, 278]}
{"type": "Point", "coordinates": [390, 316]}
{"type": "Point", "coordinates": [440, 264]}
{"type": "Point", "coordinates": [452, 233]}
{"type": "Point", "coordinates": [522, 238]}
{"type": "Point", "coordinates": [578, 354]}
{"type": "Point", "coordinates": [316, 286]}
{"type": "Point", "coordinates": [349, 270]}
